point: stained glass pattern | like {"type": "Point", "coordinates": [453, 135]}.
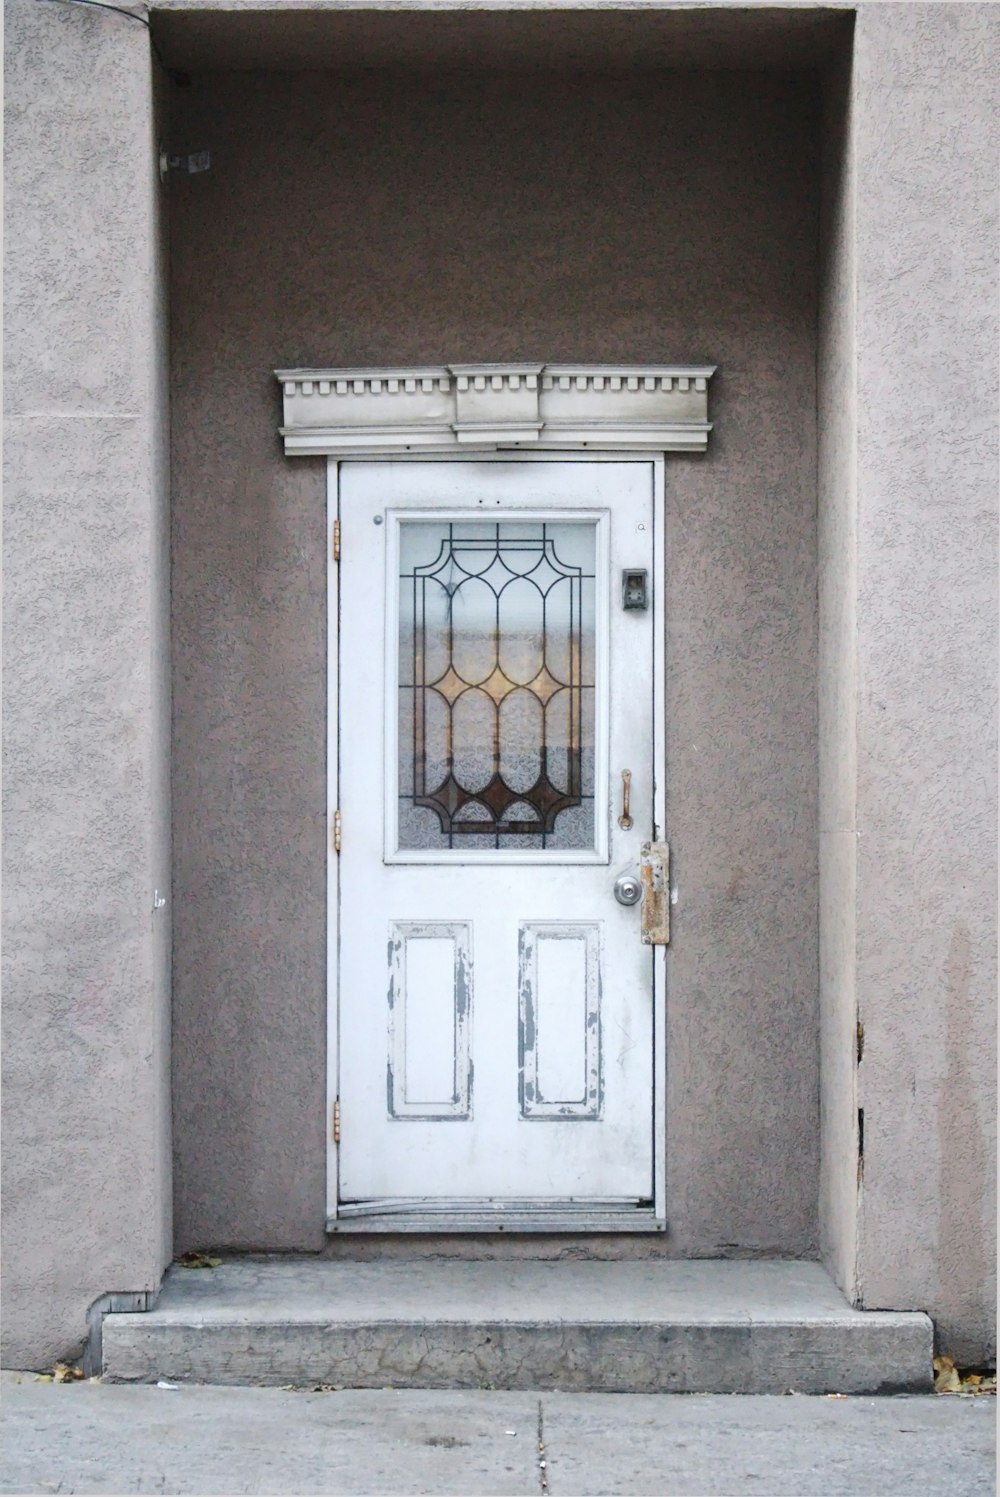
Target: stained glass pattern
{"type": "Point", "coordinates": [496, 684]}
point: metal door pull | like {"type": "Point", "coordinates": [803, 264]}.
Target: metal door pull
{"type": "Point", "coordinates": [625, 819]}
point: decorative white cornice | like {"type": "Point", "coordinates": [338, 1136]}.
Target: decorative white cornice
{"type": "Point", "coordinates": [646, 407]}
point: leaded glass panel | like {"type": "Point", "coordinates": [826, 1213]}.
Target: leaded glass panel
{"type": "Point", "coordinates": [496, 684]}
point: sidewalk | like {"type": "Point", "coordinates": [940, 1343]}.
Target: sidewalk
{"type": "Point", "coordinates": [96, 1438]}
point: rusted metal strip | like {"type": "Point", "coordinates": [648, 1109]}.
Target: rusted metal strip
{"type": "Point", "coordinates": [654, 871]}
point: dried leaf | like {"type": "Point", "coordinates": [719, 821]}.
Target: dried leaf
{"type": "Point", "coordinates": [198, 1260]}
{"type": "Point", "coordinates": [946, 1378]}
{"type": "Point", "coordinates": [979, 1382]}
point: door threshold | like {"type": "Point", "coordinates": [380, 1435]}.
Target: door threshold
{"type": "Point", "coordinates": [495, 1216]}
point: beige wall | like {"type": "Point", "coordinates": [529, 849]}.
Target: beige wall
{"type": "Point", "coordinates": [838, 683]}
{"type": "Point", "coordinates": [86, 1182]}
{"type": "Point", "coordinates": [926, 116]}
{"type": "Point", "coordinates": [381, 219]}
{"type": "Point", "coordinates": [392, 219]}
{"type": "Point", "coordinates": [908, 666]}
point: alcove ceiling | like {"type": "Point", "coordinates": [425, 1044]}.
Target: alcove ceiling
{"type": "Point", "coordinates": [530, 36]}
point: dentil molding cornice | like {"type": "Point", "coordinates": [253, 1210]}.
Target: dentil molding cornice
{"type": "Point", "coordinates": [461, 407]}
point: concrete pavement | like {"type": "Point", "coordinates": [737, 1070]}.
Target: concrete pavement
{"type": "Point", "coordinates": [100, 1438]}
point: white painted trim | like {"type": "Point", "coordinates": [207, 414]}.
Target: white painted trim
{"type": "Point", "coordinates": [332, 862]}
{"type": "Point", "coordinates": [635, 1220]}
{"type": "Point", "coordinates": [480, 1206]}
{"type": "Point", "coordinates": [639, 408]}
{"type": "Point", "coordinates": [659, 953]}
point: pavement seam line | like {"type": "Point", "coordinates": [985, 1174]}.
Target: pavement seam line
{"type": "Point", "coordinates": [543, 1465]}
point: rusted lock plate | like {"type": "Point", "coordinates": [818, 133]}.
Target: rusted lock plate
{"type": "Point", "coordinates": [654, 871]}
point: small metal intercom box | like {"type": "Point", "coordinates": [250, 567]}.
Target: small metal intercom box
{"type": "Point", "coordinates": [634, 590]}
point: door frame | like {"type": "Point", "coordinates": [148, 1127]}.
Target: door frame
{"type": "Point", "coordinates": [656, 1221]}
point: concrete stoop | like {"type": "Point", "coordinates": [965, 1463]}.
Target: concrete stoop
{"type": "Point", "coordinates": [627, 1327]}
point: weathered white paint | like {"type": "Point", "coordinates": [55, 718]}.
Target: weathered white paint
{"type": "Point", "coordinates": [333, 862]}
{"type": "Point", "coordinates": [429, 1015]}
{"type": "Point", "coordinates": [647, 407]}
{"type": "Point", "coordinates": [560, 991]}
{"type": "Point", "coordinates": [497, 1149]}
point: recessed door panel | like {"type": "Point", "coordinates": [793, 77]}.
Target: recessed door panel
{"type": "Point", "coordinates": [559, 985]}
{"type": "Point", "coordinates": [429, 1001]}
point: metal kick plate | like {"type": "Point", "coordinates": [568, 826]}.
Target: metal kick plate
{"type": "Point", "coordinates": [654, 871]}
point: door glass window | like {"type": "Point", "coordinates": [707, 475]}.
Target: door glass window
{"type": "Point", "coordinates": [496, 682]}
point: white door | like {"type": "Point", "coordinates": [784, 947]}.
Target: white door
{"type": "Point", "coordinates": [496, 704]}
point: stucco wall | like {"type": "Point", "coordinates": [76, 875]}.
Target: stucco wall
{"type": "Point", "coordinates": [86, 1186]}
{"type": "Point", "coordinates": [838, 681]}
{"type": "Point", "coordinates": [391, 219]}
{"type": "Point", "coordinates": [926, 243]}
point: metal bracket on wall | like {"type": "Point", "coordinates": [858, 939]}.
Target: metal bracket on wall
{"type": "Point", "coordinates": [188, 166]}
{"type": "Point", "coordinates": [134, 1302]}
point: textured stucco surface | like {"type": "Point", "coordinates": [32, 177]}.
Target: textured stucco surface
{"type": "Point", "coordinates": [393, 219]}
{"type": "Point", "coordinates": [838, 683]}
{"type": "Point", "coordinates": [926, 117]}
{"type": "Point", "coordinates": [86, 1182]}
{"type": "Point", "coordinates": [387, 220]}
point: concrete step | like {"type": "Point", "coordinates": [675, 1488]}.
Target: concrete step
{"type": "Point", "coordinates": [628, 1327]}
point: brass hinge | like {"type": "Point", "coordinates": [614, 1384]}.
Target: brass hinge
{"type": "Point", "coordinates": [337, 827]}
{"type": "Point", "coordinates": [336, 1122]}
{"type": "Point", "coordinates": [336, 540]}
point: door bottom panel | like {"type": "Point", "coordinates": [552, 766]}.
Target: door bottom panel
{"type": "Point", "coordinates": [397, 1215]}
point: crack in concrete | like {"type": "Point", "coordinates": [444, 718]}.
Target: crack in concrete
{"type": "Point", "coordinates": [543, 1464]}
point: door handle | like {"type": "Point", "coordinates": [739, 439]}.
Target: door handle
{"type": "Point", "coordinates": [628, 889]}
{"type": "Point", "coordinates": [625, 819]}
{"type": "Point", "coordinates": [654, 874]}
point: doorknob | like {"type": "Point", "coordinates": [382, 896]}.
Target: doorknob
{"type": "Point", "coordinates": [628, 889]}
